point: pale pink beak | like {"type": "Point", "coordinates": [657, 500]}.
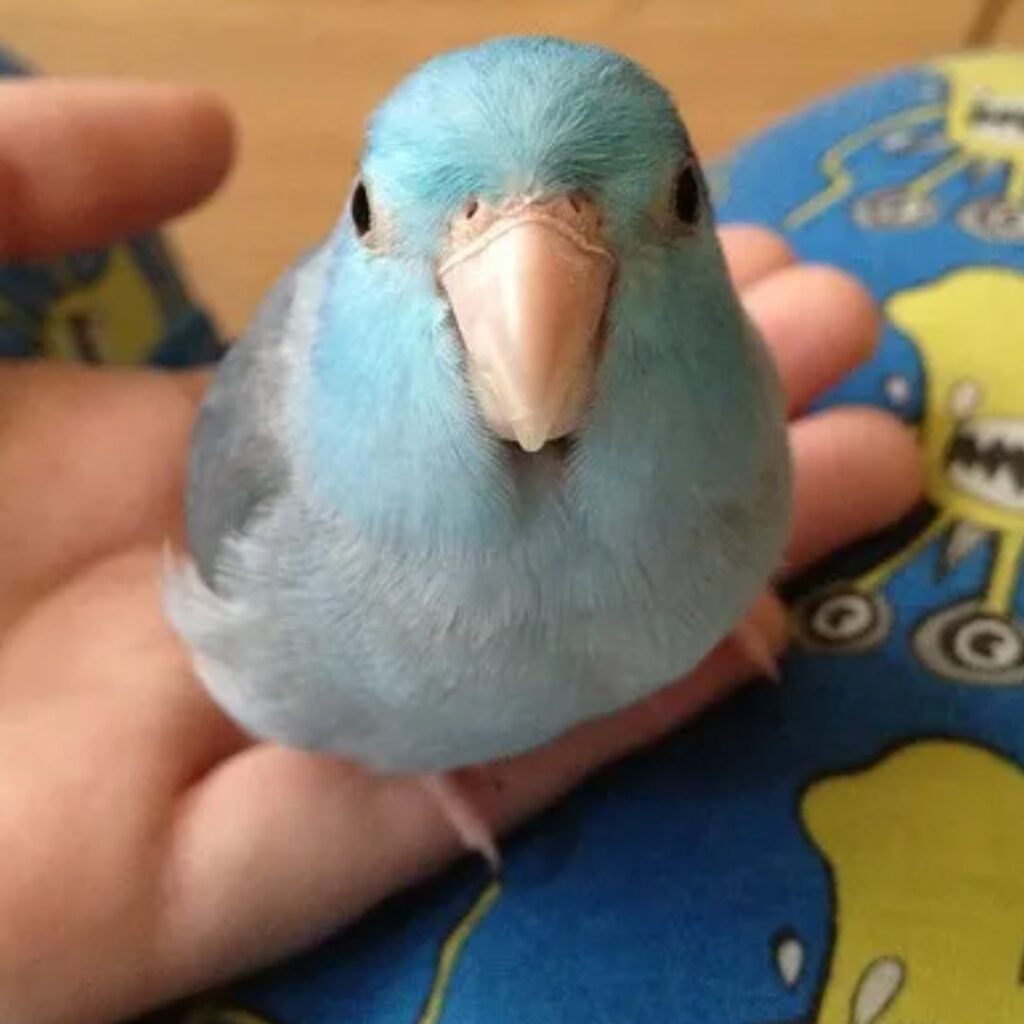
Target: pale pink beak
{"type": "Point", "coordinates": [528, 283]}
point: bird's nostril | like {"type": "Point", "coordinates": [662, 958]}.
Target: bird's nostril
{"type": "Point", "coordinates": [471, 208]}
{"type": "Point", "coordinates": [576, 201]}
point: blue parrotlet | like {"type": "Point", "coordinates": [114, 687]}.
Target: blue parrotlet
{"type": "Point", "coordinates": [503, 453]}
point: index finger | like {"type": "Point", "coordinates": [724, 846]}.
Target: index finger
{"type": "Point", "coordinates": [84, 163]}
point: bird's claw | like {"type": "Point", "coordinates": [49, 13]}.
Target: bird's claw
{"type": "Point", "coordinates": [457, 808]}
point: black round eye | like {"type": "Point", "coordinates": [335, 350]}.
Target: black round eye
{"type": "Point", "coordinates": [361, 210]}
{"type": "Point", "coordinates": [688, 195]}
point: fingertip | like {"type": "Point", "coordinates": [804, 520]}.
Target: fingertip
{"type": "Point", "coordinates": [209, 133]}
{"type": "Point", "coordinates": [852, 302]}
{"type": "Point", "coordinates": [819, 323]}
{"type": "Point", "coordinates": [901, 475]}
{"type": "Point", "coordinates": [753, 252]}
{"type": "Point", "coordinates": [856, 471]}
{"type": "Point", "coordinates": [85, 163]}
{"type": "Point", "coordinates": [184, 141]}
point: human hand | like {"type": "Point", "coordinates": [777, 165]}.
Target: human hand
{"type": "Point", "coordinates": [149, 848]}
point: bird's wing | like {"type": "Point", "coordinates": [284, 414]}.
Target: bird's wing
{"type": "Point", "coordinates": [239, 460]}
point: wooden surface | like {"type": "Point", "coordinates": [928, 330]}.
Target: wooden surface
{"type": "Point", "coordinates": [1010, 28]}
{"type": "Point", "coordinates": [303, 74]}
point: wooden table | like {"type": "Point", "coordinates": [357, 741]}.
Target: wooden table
{"type": "Point", "coordinates": [303, 74]}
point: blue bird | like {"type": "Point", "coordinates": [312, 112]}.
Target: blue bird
{"type": "Point", "coordinates": [503, 453]}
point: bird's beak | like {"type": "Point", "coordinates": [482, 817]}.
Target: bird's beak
{"type": "Point", "coordinates": [528, 282]}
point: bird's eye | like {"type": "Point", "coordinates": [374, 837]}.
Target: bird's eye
{"type": "Point", "coordinates": [688, 195]}
{"type": "Point", "coordinates": [361, 216]}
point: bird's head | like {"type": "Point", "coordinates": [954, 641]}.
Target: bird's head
{"type": "Point", "coordinates": [526, 212]}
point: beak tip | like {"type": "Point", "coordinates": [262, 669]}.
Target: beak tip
{"type": "Point", "coordinates": [531, 437]}
{"type": "Point", "coordinates": [531, 445]}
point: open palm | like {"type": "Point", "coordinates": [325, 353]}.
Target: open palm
{"type": "Point", "coordinates": [148, 847]}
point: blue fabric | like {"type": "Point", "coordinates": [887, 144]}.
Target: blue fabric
{"type": "Point", "coordinates": [704, 881]}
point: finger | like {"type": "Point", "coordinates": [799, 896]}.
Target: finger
{"type": "Point", "coordinates": [752, 253]}
{"type": "Point", "coordinates": [855, 471]}
{"type": "Point", "coordinates": [118, 657]}
{"type": "Point", "coordinates": [819, 324]}
{"type": "Point", "coordinates": [66, 504]}
{"type": "Point", "coordinates": [85, 163]}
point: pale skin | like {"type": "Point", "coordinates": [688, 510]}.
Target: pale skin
{"type": "Point", "coordinates": [147, 847]}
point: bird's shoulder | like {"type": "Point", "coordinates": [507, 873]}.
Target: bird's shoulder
{"type": "Point", "coordinates": [239, 460]}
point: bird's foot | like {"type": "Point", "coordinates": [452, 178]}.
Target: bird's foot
{"type": "Point", "coordinates": [457, 808]}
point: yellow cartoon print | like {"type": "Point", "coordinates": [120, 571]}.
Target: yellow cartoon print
{"type": "Point", "coordinates": [451, 951]}
{"type": "Point", "coordinates": [978, 129]}
{"type": "Point", "coordinates": [969, 329]}
{"type": "Point", "coordinates": [925, 850]}
{"type": "Point", "coordinates": [113, 319]}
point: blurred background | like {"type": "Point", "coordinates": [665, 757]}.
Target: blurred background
{"type": "Point", "coordinates": [302, 75]}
